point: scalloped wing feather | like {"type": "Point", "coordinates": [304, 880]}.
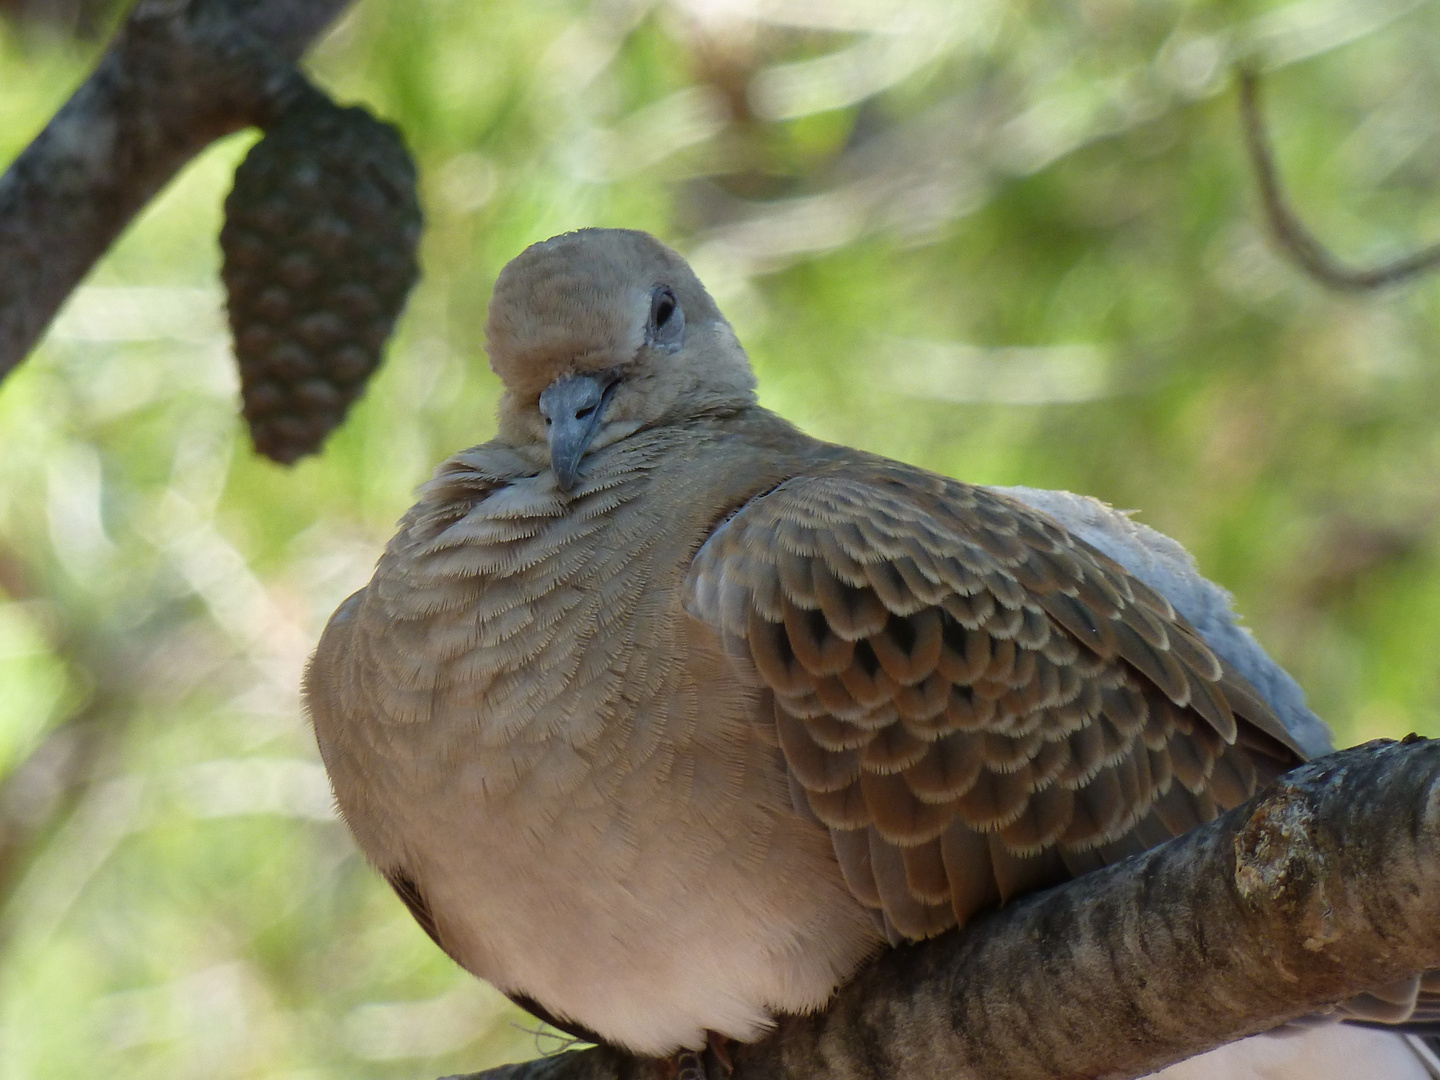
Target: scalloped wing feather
{"type": "Point", "coordinates": [972, 700]}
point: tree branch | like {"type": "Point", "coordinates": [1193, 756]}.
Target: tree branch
{"type": "Point", "coordinates": [1314, 891]}
{"type": "Point", "coordinates": [1290, 232]}
{"type": "Point", "coordinates": [177, 76]}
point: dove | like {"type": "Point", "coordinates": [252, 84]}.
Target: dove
{"type": "Point", "coordinates": [662, 716]}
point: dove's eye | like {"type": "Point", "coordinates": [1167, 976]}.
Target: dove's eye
{"type": "Point", "coordinates": [667, 319]}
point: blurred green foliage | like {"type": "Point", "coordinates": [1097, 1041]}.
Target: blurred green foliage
{"type": "Point", "coordinates": [1012, 242]}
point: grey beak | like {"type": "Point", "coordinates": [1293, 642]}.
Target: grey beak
{"type": "Point", "coordinates": [573, 408]}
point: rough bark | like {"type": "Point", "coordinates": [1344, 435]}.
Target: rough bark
{"type": "Point", "coordinates": [1310, 893]}
{"type": "Point", "coordinates": [177, 76]}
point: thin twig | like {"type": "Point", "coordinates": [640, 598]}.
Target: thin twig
{"type": "Point", "coordinates": [1290, 232]}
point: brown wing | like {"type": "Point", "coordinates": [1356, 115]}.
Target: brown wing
{"type": "Point", "coordinates": [975, 702]}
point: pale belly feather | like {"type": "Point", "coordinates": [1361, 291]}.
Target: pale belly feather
{"type": "Point", "coordinates": [640, 930]}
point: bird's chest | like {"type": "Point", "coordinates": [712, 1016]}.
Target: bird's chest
{"type": "Point", "coordinates": [543, 669]}
{"type": "Point", "coordinates": [586, 790]}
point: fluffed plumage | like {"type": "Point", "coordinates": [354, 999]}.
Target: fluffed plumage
{"type": "Point", "coordinates": [661, 715]}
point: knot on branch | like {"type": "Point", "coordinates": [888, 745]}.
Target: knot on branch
{"type": "Point", "coordinates": [1278, 863]}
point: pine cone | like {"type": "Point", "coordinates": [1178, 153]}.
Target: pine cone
{"type": "Point", "coordinates": [319, 240]}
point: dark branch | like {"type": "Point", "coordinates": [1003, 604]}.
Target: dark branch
{"type": "Point", "coordinates": [1310, 893]}
{"type": "Point", "coordinates": [177, 76]}
{"type": "Point", "coordinates": [1290, 232]}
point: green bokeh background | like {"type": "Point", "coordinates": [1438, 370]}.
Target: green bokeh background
{"type": "Point", "coordinates": [1015, 242]}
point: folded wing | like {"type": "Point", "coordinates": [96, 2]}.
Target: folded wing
{"type": "Point", "coordinates": [972, 700]}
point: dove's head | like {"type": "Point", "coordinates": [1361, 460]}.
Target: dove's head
{"type": "Point", "coordinates": [602, 332]}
